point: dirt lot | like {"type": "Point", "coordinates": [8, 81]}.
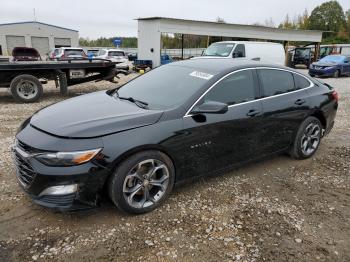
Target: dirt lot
{"type": "Point", "coordinates": [274, 210]}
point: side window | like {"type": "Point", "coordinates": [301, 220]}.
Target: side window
{"type": "Point", "coordinates": [236, 88]}
{"type": "Point", "coordinates": [276, 82]}
{"type": "Point", "coordinates": [300, 82]}
{"type": "Point", "coordinates": [239, 51]}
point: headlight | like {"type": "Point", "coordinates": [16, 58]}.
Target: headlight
{"type": "Point", "coordinates": [67, 158]}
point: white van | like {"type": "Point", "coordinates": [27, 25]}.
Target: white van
{"type": "Point", "coordinates": [258, 51]}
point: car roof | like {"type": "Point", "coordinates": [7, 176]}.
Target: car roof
{"type": "Point", "coordinates": [23, 47]}
{"type": "Point", "coordinates": [114, 49]}
{"type": "Point", "coordinates": [218, 65]}
{"type": "Point", "coordinates": [337, 55]}
{"type": "Point", "coordinates": [74, 48]}
{"type": "Point", "coordinates": [246, 42]}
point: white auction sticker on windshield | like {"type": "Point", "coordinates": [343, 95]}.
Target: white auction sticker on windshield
{"type": "Point", "coordinates": [201, 75]}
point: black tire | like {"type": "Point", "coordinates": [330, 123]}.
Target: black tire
{"type": "Point", "coordinates": [26, 96]}
{"type": "Point", "coordinates": [118, 180]}
{"type": "Point", "coordinates": [297, 151]}
{"type": "Point", "coordinates": [62, 82]}
{"type": "Point", "coordinates": [337, 74]}
{"type": "Point", "coordinates": [312, 75]}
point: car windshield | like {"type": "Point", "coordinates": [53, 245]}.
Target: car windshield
{"type": "Point", "coordinates": [115, 53]}
{"type": "Point", "coordinates": [302, 52]}
{"type": "Point", "coordinates": [219, 49]}
{"type": "Point", "coordinates": [166, 86]}
{"type": "Point", "coordinates": [333, 59]}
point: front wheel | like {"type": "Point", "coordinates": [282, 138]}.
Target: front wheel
{"type": "Point", "coordinates": [142, 182]}
{"type": "Point", "coordinates": [308, 138]}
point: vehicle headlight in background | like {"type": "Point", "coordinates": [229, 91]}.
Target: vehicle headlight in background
{"type": "Point", "coordinates": [67, 158]}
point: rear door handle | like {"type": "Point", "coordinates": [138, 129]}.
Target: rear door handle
{"type": "Point", "coordinates": [299, 102]}
{"type": "Point", "coordinates": [253, 112]}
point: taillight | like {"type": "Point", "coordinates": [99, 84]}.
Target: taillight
{"type": "Point", "coordinates": [335, 95]}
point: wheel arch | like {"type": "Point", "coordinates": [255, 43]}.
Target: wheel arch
{"type": "Point", "coordinates": [320, 116]}
{"type": "Point", "coordinates": [138, 149]}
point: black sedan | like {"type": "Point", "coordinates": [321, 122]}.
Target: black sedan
{"type": "Point", "coordinates": [177, 122]}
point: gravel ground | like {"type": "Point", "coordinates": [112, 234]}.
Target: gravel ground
{"type": "Point", "coordinates": [279, 209]}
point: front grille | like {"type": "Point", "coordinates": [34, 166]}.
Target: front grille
{"type": "Point", "coordinates": [25, 172]}
{"type": "Point", "coordinates": [60, 200]}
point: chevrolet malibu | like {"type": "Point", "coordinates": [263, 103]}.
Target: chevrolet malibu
{"type": "Point", "coordinates": [177, 122]}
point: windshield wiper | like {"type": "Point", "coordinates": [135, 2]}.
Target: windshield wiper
{"type": "Point", "coordinates": [139, 103]}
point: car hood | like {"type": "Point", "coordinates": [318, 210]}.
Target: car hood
{"type": "Point", "coordinates": [92, 115]}
{"type": "Point", "coordinates": [324, 64]}
{"type": "Point", "coordinates": [209, 57]}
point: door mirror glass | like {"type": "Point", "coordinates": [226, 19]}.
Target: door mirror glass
{"type": "Point", "coordinates": [210, 107]}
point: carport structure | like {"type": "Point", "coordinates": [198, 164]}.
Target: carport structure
{"type": "Point", "coordinates": [150, 30]}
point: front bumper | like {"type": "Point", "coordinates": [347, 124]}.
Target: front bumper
{"type": "Point", "coordinates": [322, 72]}
{"type": "Point", "coordinates": [35, 178]}
{"type": "Point", "coordinates": [123, 66]}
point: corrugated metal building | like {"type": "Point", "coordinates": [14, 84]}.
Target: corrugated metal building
{"type": "Point", "coordinates": [41, 36]}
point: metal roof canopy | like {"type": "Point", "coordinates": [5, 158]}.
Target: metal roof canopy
{"type": "Point", "coordinates": [150, 29]}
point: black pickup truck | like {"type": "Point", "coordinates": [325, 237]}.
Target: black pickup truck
{"type": "Point", "coordinates": [25, 79]}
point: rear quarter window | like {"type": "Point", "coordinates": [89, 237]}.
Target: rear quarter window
{"type": "Point", "coordinates": [276, 82]}
{"type": "Point", "coordinates": [300, 82]}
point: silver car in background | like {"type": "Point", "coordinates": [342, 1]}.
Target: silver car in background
{"type": "Point", "coordinates": [64, 53]}
{"type": "Point", "coordinates": [115, 55]}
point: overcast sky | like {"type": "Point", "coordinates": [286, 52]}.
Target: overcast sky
{"type": "Point", "coordinates": [116, 18]}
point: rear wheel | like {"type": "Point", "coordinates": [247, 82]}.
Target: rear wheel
{"type": "Point", "coordinates": [26, 88]}
{"type": "Point", "coordinates": [142, 182]}
{"type": "Point", "coordinates": [308, 138]}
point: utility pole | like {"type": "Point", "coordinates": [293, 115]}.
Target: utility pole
{"type": "Point", "coordinates": [34, 14]}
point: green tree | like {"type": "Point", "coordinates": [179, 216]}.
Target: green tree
{"type": "Point", "coordinates": [347, 15]}
{"type": "Point", "coordinates": [220, 20]}
{"type": "Point", "coordinates": [329, 16]}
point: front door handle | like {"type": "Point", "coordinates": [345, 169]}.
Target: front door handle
{"type": "Point", "coordinates": [253, 112]}
{"type": "Point", "coordinates": [299, 102]}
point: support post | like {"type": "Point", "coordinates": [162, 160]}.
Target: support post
{"type": "Point", "coordinates": [317, 51]}
{"type": "Point", "coordinates": [182, 46]}
{"type": "Point", "coordinates": [285, 45]}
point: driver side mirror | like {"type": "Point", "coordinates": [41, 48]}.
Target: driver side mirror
{"type": "Point", "coordinates": [210, 107]}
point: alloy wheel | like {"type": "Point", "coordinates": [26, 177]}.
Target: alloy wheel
{"type": "Point", "coordinates": [310, 139]}
{"type": "Point", "coordinates": [146, 183]}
